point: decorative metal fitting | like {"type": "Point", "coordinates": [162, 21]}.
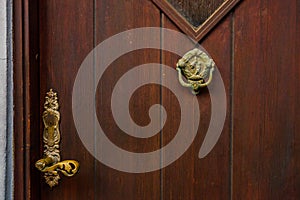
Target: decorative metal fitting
{"type": "Point", "coordinates": [197, 68]}
{"type": "Point", "coordinates": [51, 163]}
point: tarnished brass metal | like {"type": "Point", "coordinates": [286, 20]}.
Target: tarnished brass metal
{"type": "Point", "coordinates": [197, 68]}
{"type": "Point", "coordinates": [51, 163]}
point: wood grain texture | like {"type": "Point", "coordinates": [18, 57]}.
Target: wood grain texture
{"type": "Point", "coordinates": [266, 114]}
{"type": "Point", "coordinates": [110, 183]}
{"type": "Point", "coordinates": [190, 177]}
{"type": "Point", "coordinates": [256, 50]}
{"type": "Point", "coordinates": [31, 78]}
{"type": "Point", "coordinates": [196, 12]}
{"type": "Point", "coordinates": [26, 86]}
{"type": "Point", "coordinates": [66, 37]}
{"type": "Point", "coordinates": [19, 178]}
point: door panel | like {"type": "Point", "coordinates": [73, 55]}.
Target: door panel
{"type": "Point", "coordinates": [266, 118]}
{"type": "Point", "coordinates": [66, 32]}
{"type": "Point", "coordinates": [255, 49]}
{"type": "Point", "coordinates": [200, 178]}
{"type": "Point", "coordinates": [112, 17]}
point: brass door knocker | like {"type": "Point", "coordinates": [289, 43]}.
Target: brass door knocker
{"type": "Point", "coordinates": [197, 68]}
{"type": "Point", "coordinates": [51, 163]}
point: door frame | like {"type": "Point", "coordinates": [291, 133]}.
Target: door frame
{"type": "Point", "coordinates": [26, 97]}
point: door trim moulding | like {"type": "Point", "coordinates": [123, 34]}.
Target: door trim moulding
{"type": "Point", "coordinates": [199, 32]}
{"type": "Point", "coordinates": [25, 98]}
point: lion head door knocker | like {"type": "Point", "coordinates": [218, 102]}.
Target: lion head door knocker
{"type": "Point", "coordinates": [197, 68]}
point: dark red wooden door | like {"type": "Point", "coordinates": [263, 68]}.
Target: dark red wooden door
{"type": "Point", "coordinates": [256, 49]}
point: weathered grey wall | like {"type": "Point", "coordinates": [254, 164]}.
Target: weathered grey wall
{"type": "Point", "coordinates": [6, 167]}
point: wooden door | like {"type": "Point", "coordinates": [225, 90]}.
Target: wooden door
{"type": "Point", "coordinates": [255, 45]}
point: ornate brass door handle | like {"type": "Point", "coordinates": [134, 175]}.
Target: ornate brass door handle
{"type": "Point", "coordinates": [51, 163]}
{"type": "Point", "coordinates": [197, 68]}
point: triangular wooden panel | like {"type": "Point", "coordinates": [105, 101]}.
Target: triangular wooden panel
{"type": "Point", "coordinates": [189, 25]}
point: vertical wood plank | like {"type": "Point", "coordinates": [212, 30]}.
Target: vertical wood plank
{"type": "Point", "coordinates": [112, 17]}
{"type": "Point", "coordinates": [266, 113]}
{"type": "Point", "coordinates": [31, 91]}
{"type": "Point", "coordinates": [66, 37]}
{"type": "Point", "coordinates": [296, 142]}
{"type": "Point", "coordinates": [190, 177]}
